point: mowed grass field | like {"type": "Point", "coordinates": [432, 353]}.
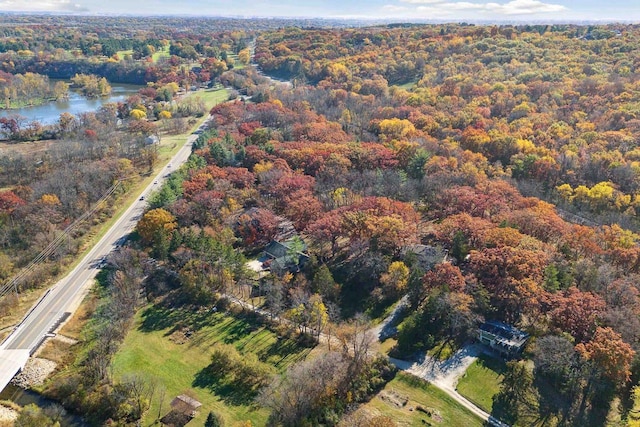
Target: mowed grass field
{"type": "Point", "coordinates": [412, 402]}
{"type": "Point", "coordinates": [157, 348]}
{"type": "Point", "coordinates": [482, 381]}
{"type": "Point", "coordinates": [170, 144]}
{"type": "Point", "coordinates": [160, 54]}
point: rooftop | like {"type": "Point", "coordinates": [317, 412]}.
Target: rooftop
{"type": "Point", "coordinates": [505, 333]}
{"type": "Point", "coordinates": [184, 402]}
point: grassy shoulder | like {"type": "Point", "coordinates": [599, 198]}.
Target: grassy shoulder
{"type": "Point", "coordinates": [174, 347]}
{"type": "Point", "coordinates": [410, 401]}
{"type": "Point", "coordinates": [482, 381]}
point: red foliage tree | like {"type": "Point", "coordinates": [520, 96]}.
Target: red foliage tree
{"type": "Point", "coordinates": [445, 275]}
{"type": "Point", "coordinates": [577, 312]}
{"type": "Point", "coordinates": [325, 233]}
{"type": "Point", "coordinates": [9, 202]}
{"type": "Point", "coordinates": [302, 207]}
{"type": "Point", "coordinates": [512, 276]}
{"type": "Point", "coordinates": [256, 227]}
{"type": "Point", "coordinates": [610, 354]}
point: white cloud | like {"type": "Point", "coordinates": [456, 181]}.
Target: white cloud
{"type": "Point", "coordinates": [393, 8]}
{"type": "Point", "coordinates": [40, 6]}
{"type": "Point", "coordinates": [423, 1]}
{"type": "Point", "coordinates": [437, 8]}
{"type": "Point", "coordinates": [525, 7]}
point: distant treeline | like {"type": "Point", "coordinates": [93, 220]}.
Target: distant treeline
{"type": "Point", "coordinates": [109, 46]}
{"type": "Point", "coordinates": [118, 72]}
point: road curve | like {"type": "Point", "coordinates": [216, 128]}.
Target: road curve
{"type": "Point", "coordinates": [59, 301]}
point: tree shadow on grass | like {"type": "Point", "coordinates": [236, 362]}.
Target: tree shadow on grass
{"type": "Point", "coordinates": [158, 318]}
{"type": "Point", "coordinates": [238, 330]}
{"type": "Point", "coordinates": [280, 351]}
{"type": "Point", "coordinates": [490, 362]}
{"type": "Point", "coordinates": [223, 387]}
{"type": "Point", "coordinates": [103, 277]}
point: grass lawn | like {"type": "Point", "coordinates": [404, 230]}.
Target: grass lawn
{"type": "Point", "coordinates": [170, 144]}
{"type": "Point", "coordinates": [237, 65]}
{"type": "Point", "coordinates": [482, 381]}
{"type": "Point", "coordinates": [387, 345]}
{"type": "Point", "coordinates": [405, 394]}
{"type": "Point", "coordinates": [121, 53]}
{"type": "Point", "coordinates": [162, 53]}
{"type": "Point", "coordinates": [380, 312]}
{"type": "Point", "coordinates": [211, 97]}
{"type": "Point", "coordinates": [156, 347]}
{"type": "Point", "coordinates": [409, 85]}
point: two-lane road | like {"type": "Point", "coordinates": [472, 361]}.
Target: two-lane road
{"type": "Point", "coordinates": [59, 301]}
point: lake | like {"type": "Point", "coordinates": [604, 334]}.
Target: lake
{"type": "Point", "coordinates": [49, 113]}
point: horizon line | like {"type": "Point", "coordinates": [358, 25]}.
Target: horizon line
{"type": "Point", "coordinates": [386, 20]}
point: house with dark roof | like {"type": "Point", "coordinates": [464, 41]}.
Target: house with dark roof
{"type": "Point", "coordinates": [152, 140]}
{"type": "Point", "coordinates": [505, 339]}
{"type": "Point", "coordinates": [426, 256]}
{"type": "Point", "coordinates": [285, 256]}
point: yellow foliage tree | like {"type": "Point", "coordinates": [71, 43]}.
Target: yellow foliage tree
{"type": "Point", "coordinates": [601, 195]}
{"type": "Point", "coordinates": [137, 114]}
{"type": "Point", "coordinates": [50, 199]}
{"type": "Point", "coordinates": [164, 115]}
{"type": "Point", "coordinates": [395, 128]}
{"type": "Point", "coordinates": [633, 419]}
{"type": "Point", "coordinates": [155, 221]}
{"type": "Point", "coordinates": [244, 56]}
{"type": "Point", "coordinates": [565, 191]}
{"type": "Point", "coordinates": [262, 167]}
{"type": "Point", "coordinates": [396, 278]}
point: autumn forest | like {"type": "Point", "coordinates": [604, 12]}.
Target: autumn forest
{"type": "Point", "coordinates": [449, 174]}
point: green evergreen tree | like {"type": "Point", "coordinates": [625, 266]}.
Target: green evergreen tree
{"type": "Point", "coordinates": [213, 420]}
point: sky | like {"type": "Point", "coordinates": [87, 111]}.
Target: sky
{"type": "Point", "coordinates": [401, 10]}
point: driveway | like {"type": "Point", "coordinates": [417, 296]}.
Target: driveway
{"type": "Point", "coordinates": [443, 374]}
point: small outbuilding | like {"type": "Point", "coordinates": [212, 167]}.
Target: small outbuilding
{"type": "Point", "coordinates": [505, 339]}
{"type": "Point", "coordinates": [183, 410]}
{"type": "Point", "coordinates": [185, 405]}
{"type": "Point", "coordinates": [152, 140]}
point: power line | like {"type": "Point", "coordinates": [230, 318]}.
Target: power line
{"type": "Point", "coordinates": [56, 243]}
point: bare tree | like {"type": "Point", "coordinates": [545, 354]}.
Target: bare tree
{"type": "Point", "coordinates": [303, 388]}
{"type": "Point", "coordinates": [356, 340]}
{"type": "Point", "coordinates": [140, 390]}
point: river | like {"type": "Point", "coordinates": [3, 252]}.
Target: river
{"type": "Point", "coordinates": [49, 113]}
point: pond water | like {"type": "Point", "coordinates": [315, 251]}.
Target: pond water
{"type": "Point", "coordinates": [49, 113]}
{"type": "Point", "coordinates": [25, 397]}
